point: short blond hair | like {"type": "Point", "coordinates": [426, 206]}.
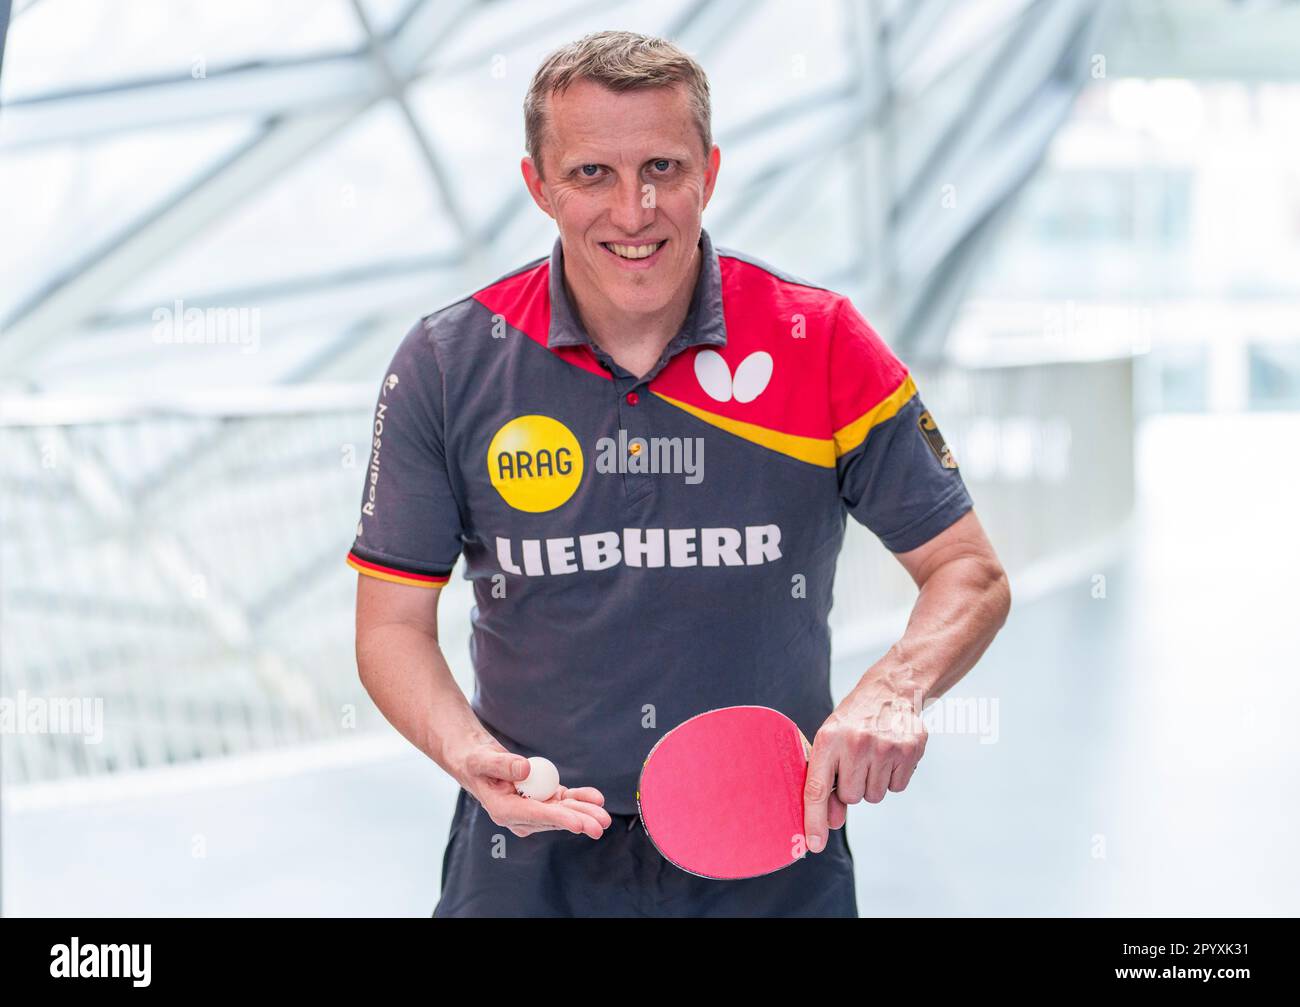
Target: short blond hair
{"type": "Point", "coordinates": [620, 61]}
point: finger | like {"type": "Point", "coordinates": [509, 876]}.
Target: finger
{"type": "Point", "coordinates": [498, 765]}
{"type": "Point", "coordinates": [593, 811]}
{"type": "Point", "coordinates": [587, 808]}
{"type": "Point", "coordinates": [588, 794]}
{"type": "Point", "coordinates": [816, 796]}
{"type": "Point", "coordinates": [839, 812]}
{"type": "Point", "coordinates": [852, 782]}
{"type": "Point", "coordinates": [542, 814]}
{"type": "Point", "coordinates": [901, 776]}
{"type": "Point", "coordinates": [878, 780]}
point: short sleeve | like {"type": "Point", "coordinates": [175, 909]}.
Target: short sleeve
{"type": "Point", "coordinates": [897, 475]}
{"type": "Point", "coordinates": [409, 530]}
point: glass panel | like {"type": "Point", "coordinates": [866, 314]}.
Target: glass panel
{"type": "Point", "coordinates": [62, 45]}
{"type": "Point", "coordinates": [1275, 376]}
{"type": "Point", "coordinates": [363, 196]}
{"type": "Point", "coordinates": [77, 197]}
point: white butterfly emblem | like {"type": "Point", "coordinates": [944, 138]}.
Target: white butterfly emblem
{"type": "Point", "coordinates": [752, 376]}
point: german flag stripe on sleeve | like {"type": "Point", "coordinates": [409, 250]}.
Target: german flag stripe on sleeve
{"type": "Point", "coordinates": [395, 576]}
{"type": "Point", "coordinates": [852, 434]}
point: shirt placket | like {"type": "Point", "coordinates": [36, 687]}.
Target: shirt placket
{"type": "Point", "coordinates": [633, 432]}
{"type": "Point", "coordinates": [637, 486]}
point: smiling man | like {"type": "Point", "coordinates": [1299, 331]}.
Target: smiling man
{"type": "Point", "coordinates": [614, 602]}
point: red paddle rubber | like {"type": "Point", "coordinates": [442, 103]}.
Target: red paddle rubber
{"type": "Point", "coordinates": [721, 795]}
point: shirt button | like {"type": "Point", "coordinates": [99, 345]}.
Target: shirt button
{"type": "Point", "coordinates": [634, 448]}
{"type": "Point", "coordinates": [633, 398]}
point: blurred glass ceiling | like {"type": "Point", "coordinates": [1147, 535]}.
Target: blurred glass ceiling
{"type": "Point", "coordinates": [344, 166]}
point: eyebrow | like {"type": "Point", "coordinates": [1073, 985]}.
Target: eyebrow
{"type": "Point", "coordinates": [578, 160]}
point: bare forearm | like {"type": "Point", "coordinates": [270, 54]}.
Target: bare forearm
{"type": "Point", "coordinates": [957, 614]}
{"type": "Point", "coordinates": [874, 739]}
{"type": "Point", "coordinates": [404, 671]}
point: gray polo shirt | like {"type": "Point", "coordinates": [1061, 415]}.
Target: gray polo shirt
{"type": "Point", "coordinates": [643, 549]}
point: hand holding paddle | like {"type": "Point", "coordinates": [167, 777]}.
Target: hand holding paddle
{"type": "Point", "coordinates": [732, 793]}
{"type": "Point", "coordinates": [870, 744]}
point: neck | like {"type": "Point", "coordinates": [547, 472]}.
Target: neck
{"type": "Point", "coordinates": [636, 336]}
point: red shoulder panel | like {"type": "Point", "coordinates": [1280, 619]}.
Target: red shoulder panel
{"type": "Point", "coordinates": [523, 300]}
{"type": "Point", "coordinates": [791, 324]}
{"type": "Point", "coordinates": [864, 370]}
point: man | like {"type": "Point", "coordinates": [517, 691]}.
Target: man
{"type": "Point", "coordinates": [645, 449]}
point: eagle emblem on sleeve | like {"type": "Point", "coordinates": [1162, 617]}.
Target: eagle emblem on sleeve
{"type": "Point", "coordinates": [930, 430]}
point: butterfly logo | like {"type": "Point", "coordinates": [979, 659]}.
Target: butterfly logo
{"type": "Point", "coordinates": [715, 377]}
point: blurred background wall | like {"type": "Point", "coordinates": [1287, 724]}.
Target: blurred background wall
{"type": "Point", "coordinates": [1078, 222]}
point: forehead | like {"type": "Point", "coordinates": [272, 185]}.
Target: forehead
{"type": "Point", "coordinates": [588, 118]}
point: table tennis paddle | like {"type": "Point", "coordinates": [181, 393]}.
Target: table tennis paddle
{"type": "Point", "coordinates": [721, 794]}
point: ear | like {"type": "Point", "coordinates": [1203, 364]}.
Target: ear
{"type": "Point", "coordinates": [536, 186]}
{"type": "Point", "coordinates": [711, 173]}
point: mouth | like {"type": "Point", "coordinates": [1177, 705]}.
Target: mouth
{"type": "Point", "coordinates": [637, 256]}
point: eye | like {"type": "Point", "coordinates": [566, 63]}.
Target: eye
{"type": "Point", "coordinates": [589, 174]}
{"type": "Point", "coordinates": [662, 164]}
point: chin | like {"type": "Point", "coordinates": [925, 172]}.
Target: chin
{"type": "Point", "coordinates": [639, 305]}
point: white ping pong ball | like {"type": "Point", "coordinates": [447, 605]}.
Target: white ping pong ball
{"type": "Point", "coordinates": [542, 781]}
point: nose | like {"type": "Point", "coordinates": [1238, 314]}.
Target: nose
{"type": "Point", "coordinates": [633, 207]}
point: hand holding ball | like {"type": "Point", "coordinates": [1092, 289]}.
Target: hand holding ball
{"type": "Point", "coordinates": [542, 781]}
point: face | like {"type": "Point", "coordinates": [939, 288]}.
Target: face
{"type": "Point", "coordinates": [627, 180]}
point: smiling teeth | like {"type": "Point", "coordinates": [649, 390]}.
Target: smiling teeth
{"type": "Point", "coordinates": [634, 251]}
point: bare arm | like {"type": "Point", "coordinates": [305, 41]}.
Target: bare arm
{"type": "Point", "coordinates": [403, 669]}
{"type": "Point", "coordinates": [406, 674]}
{"type": "Point", "coordinates": [875, 738]}
{"type": "Point", "coordinates": [964, 601]}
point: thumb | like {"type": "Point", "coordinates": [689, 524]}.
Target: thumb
{"type": "Point", "coordinates": [499, 765]}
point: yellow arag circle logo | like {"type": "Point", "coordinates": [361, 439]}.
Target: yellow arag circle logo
{"type": "Point", "coordinates": [535, 463]}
